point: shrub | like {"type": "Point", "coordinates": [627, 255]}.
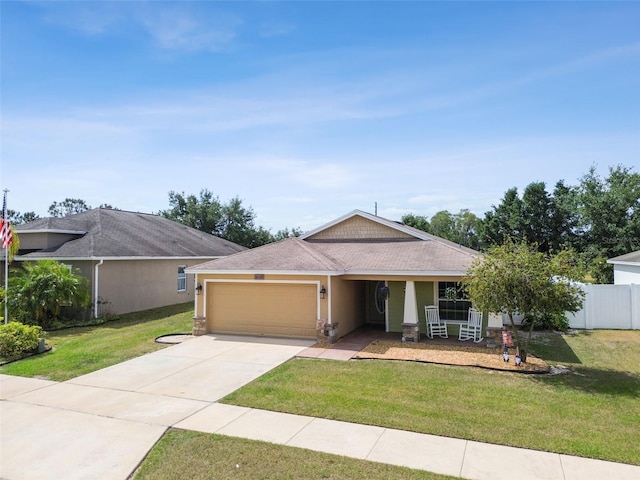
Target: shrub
{"type": "Point", "coordinates": [550, 321]}
{"type": "Point", "coordinates": [41, 289]}
{"type": "Point", "coordinates": [17, 339]}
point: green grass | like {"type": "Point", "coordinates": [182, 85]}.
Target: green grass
{"type": "Point", "coordinates": [592, 412]}
{"type": "Point", "coordinates": [81, 350]}
{"type": "Point", "coordinates": [200, 456]}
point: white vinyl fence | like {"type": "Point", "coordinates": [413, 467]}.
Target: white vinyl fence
{"type": "Point", "coordinates": [608, 306]}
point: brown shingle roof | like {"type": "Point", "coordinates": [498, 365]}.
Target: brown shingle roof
{"type": "Point", "coordinates": [429, 255]}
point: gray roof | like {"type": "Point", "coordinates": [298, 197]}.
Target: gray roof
{"type": "Point", "coordinates": [427, 255]}
{"type": "Point", "coordinates": [632, 257]}
{"type": "Point", "coordinates": [103, 233]}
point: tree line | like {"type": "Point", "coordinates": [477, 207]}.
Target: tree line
{"type": "Point", "coordinates": [598, 219]}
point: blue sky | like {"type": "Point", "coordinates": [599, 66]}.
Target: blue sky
{"type": "Point", "coordinates": [308, 110]}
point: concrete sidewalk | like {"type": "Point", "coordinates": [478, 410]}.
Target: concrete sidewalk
{"type": "Point", "coordinates": [449, 456]}
{"type": "Point", "coordinates": [101, 425]}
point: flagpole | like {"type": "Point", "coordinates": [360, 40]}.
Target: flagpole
{"type": "Point", "coordinates": [6, 284]}
{"type": "Point", "coordinates": [6, 260]}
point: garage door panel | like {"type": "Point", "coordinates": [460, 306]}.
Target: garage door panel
{"type": "Point", "coordinates": [262, 309]}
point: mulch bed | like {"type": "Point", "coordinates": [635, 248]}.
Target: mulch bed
{"type": "Point", "coordinates": [450, 355]}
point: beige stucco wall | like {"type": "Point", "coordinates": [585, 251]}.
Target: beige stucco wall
{"type": "Point", "coordinates": [347, 304]}
{"type": "Point", "coordinates": [134, 285]}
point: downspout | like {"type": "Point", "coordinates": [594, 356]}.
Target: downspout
{"type": "Point", "coordinates": [95, 289]}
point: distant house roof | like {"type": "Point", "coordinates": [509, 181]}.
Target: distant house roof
{"type": "Point", "coordinates": [632, 258]}
{"type": "Point", "coordinates": [357, 243]}
{"type": "Point", "coordinates": [104, 233]}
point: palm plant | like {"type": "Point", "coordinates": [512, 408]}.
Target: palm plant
{"type": "Point", "coordinates": [39, 290]}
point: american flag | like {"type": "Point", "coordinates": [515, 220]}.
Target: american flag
{"type": "Point", "coordinates": [5, 226]}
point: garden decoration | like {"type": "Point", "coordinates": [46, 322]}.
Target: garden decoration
{"type": "Point", "coordinates": [505, 354]}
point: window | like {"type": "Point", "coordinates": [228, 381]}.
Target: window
{"type": "Point", "coordinates": [182, 278]}
{"type": "Point", "coordinates": [452, 301]}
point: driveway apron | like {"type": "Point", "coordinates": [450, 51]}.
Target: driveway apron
{"type": "Point", "coordinates": [101, 425]}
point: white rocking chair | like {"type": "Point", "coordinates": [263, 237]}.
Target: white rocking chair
{"type": "Point", "coordinates": [435, 326]}
{"type": "Point", "coordinates": [473, 329]}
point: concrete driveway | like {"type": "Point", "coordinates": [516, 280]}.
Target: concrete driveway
{"type": "Point", "coordinates": [101, 425]}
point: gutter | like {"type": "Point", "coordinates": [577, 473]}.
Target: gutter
{"type": "Point", "coordinates": [95, 288]}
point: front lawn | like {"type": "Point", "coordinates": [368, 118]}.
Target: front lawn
{"type": "Point", "coordinates": [592, 412]}
{"type": "Point", "coordinates": [201, 456]}
{"type": "Point", "coordinates": [81, 350]}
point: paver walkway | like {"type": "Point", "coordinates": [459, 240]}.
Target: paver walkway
{"type": "Point", "coordinates": [100, 425]}
{"type": "Point", "coordinates": [346, 348]}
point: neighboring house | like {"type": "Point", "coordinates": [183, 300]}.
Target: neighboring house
{"type": "Point", "coordinates": [626, 268]}
{"type": "Point", "coordinates": [358, 269]}
{"type": "Point", "coordinates": [134, 261]}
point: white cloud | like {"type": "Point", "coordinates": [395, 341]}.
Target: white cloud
{"type": "Point", "coordinates": [179, 29]}
{"type": "Point", "coordinates": [171, 26]}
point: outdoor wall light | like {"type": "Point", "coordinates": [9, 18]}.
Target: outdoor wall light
{"type": "Point", "coordinates": [198, 289]}
{"type": "Point", "coordinates": [323, 292]}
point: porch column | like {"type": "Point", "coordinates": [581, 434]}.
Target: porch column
{"type": "Point", "coordinates": [410, 325]}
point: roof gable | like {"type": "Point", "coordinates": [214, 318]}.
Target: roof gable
{"type": "Point", "coordinates": [362, 226]}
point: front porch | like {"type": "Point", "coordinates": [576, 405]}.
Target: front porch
{"type": "Point", "coordinates": [398, 306]}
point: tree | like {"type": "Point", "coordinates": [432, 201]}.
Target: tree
{"type": "Point", "coordinates": [517, 278]}
{"type": "Point", "coordinates": [468, 227]}
{"type": "Point", "coordinates": [566, 221]}
{"type": "Point", "coordinates": [416, 221]}
{"type": "Point", "coordinates": [286, 233]}
{"type": "Point", "coordinates": [549, 221]}
{"type": "Point", "coordinates": [203, 213]}
{"type": "Point", "coordinates": [39, 290]}
{"type": "Point", "coordinates": [231, 221]}
{"type": "Point", "coordinates": [69, 206]}
{"type": "Point", "coordinates": [238, 225]}
{"type": "Point", "coordinates": [17, 218]}
{"type": "Point", "coordinates": [537, 215]}
{"type": "Point", "coordinates": [443, 225]}
{"type": "Point", "coordinates": [462, 228]}
{"type": "Point", "coordinates": [504, 221]}
{"type": "Point", "coordinates": [610, 214]}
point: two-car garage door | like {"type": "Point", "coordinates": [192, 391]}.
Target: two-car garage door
{"type": "Point", "coordinates": [278, 309]}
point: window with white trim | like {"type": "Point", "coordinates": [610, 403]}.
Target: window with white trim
{"type": "Point", "coordinates": [182, 278]}
{"type": "Point", "coordinates": [452, 301]}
